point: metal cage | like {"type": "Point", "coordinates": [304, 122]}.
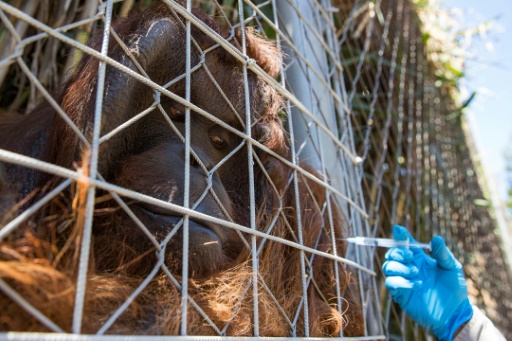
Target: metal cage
{"type": "Point", "coordinates": [348, 134]}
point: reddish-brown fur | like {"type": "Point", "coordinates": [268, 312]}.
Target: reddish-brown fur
{"type": "Point", "coordinates": [39, 260]}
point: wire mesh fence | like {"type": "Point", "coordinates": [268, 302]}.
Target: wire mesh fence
{"type": "Point", "coordinates": [187, 178]}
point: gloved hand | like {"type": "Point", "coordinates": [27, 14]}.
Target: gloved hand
{"type": "Point", "coordinates": [431, 290]}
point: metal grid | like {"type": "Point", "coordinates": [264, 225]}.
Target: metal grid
{"type": "Point", "coordinates": [361, 108]}
{"type": "Point", "coordinates": [420, 167]}
{"type": "Point", "coordinates": [294, 196]}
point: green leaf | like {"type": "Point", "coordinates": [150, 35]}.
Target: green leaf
{"type": "Point", "coordinates": [482, 203]}
{"type": "Point", "coordinates": [459, 111]}
{"type": "Point", "coordinates": [425, 37]}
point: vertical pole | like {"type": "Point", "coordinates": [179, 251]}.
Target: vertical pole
{"type": "Point", "coordinates": [307, 86]}
{"type": "Point", "coordinates": [250, 165]}
{"type": "Point", "coordinates": [186, 194]}
{"type": "Point", "coordinates": [93, 172]}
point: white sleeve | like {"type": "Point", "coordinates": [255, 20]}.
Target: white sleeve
{"type": "Point", "coordinates": [479, 328]}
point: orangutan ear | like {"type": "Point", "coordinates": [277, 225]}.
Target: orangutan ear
{"type": "Point", "coordinates": [263, 51]}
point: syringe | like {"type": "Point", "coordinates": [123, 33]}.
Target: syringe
{"type": "Point", "coordinates": [383, 242]}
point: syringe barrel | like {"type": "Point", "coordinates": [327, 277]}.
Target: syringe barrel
{"type": "Point", "coordinates": [385, 242]}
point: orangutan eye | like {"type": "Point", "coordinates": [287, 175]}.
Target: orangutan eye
{"type": "Point", "coordinates": [217, 141]}
{"type": "Point", "coordinates": [176, 115]}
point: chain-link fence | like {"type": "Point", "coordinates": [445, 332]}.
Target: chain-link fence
{"type": "Point", "coordinates": [198, 171]}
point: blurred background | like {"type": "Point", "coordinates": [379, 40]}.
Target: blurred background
{"type": "Point", "coordinates": [488, 74]}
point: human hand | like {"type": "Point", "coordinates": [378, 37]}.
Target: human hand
{"type": "Point", "coordinates": [431, 290]}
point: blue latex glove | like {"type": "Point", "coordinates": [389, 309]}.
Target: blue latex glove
{"type": "Point", "coordinates": [431, 290]}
